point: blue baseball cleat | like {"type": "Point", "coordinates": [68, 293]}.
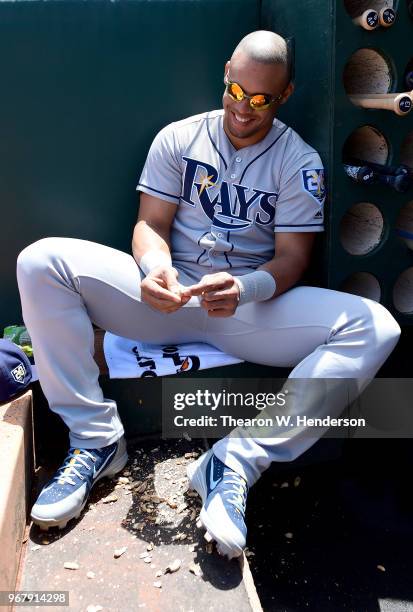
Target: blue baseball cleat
{"type": "Point", "coordinates": [224, 497]}
{"type": "Point", "coordinates": [66, 494]}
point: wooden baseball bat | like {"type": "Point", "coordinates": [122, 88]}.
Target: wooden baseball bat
{"type": "Point", "coordinates": [387, 17]}
{"type": "Point", "coordinates": [369, 20]}
{"type": "Point", "coordinates": [401, 103]}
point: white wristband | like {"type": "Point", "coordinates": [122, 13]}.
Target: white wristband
{"type": "Point", "coordinates": [153, 259]}
{"type": "Point", "coordinates": [255, 287]}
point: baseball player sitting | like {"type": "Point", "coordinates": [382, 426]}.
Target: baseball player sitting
{"type": "Point", "coordinates": [230, 203]}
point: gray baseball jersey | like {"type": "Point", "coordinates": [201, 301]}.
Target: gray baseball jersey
{"type": "Point", "coordinates": [230, 202]}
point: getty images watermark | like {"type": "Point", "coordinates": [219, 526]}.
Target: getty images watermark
{"type": "Point", "coordinates": [339, 408]}
{"type": "Point", "coordinates": [207, 399]}
{"type": "Point", "coordinates": [262, 407]}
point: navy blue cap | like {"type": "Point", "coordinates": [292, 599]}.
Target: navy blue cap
{"type": "Point", "coordinates": [15, 370]}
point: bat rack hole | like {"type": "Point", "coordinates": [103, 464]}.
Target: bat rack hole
{"type": "Point", "coordinates": [368, 144]}
{"type": "Point", "coordinates": [361, 228]}
{"type": "Point", "coordinates": [363, 284]}
{"type": "Point", "coordinates": [406, 151]}
{"type": "Point", "coordinates": [403, 292]}
{"type": "Point", "coordinates": [368, 71]}
{"type": "Point", "coordinates": [404, 225]}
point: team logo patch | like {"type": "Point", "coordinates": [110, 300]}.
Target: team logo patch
{"type": "Point", "coordinates": [313, 182]}
{"type": "Point", "coordinates": [19, 373]}
{"type": "Point", "coordinates": [229, 206]}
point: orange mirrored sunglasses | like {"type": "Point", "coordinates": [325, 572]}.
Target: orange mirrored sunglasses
{"type": "Point", "coordinates": [257, 101]}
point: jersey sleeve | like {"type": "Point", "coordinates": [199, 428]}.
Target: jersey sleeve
{"type": "Point", "coordinates": [161, 175]}
{"type": "Point", "coordinates": [300, 204]}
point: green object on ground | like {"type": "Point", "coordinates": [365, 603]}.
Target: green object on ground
{"type": "Point", "coordinates": [20, 336]}
{"type": "Point", "coordinates": [17, 334]}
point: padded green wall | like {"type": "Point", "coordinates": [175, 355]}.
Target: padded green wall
{"type": "Point", "coordinates": [84, 88]}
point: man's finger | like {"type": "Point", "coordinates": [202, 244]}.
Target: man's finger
{"type": "Point", "coordinates": [212, 296]}
{"type": "Point", "coordinates": [171, 278]}
{"type": "Point", "coordinates": [208, 285]}
{"type": "Point", "coordinates": [185, 292]}
{"type": "Point", "coordinates": [161, 294]}
{"type": "Point", "coordinates": [161, 305]}
{"type": "Point", "coordinates": [218, 304]}
{"type": "Point", "coordinates": [197, 289]}
{"type": "Point", "coordinates": [185, 299]}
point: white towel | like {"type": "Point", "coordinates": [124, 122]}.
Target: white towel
{"type": "Point", "coordinates": [131, 359]}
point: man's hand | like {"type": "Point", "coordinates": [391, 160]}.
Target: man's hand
{"type": "Point", "coordinates": [161, 290]}
{"type": "Point", "coordinates": [220, 294]}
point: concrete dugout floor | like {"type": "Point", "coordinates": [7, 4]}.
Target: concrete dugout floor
{"type": "Point", "coordinates": [146, 516]}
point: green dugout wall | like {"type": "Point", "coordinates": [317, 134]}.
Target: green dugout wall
{"type": "Point", "coordinates": [86, 85]}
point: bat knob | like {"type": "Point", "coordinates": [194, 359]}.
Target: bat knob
{"type": "Point", "coordinates": [369, 20]}
{"type": "Point", "coordinates": [402, 170]}
{"type": "Point", "coordinates": [360, 174]}
{"type": "Point", "coordinates": [404, 105]}
{"type": "Point", "coordinates": [387, 17]}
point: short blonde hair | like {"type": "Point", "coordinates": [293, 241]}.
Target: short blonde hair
{"type": "Point", "coordinates": [266, 47]}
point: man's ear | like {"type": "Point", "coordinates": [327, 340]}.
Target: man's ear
{"type": "Point", "coordinates": [289, 90]}
{"type": "Point", "coordinates": [226, 69]}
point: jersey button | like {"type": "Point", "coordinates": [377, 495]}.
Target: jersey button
{"type": "Point", "coordinates": [233, 176]}
{"type": "Point", "coordinates": [238, 159]}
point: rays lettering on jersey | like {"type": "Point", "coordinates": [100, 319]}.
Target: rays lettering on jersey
{"type": "Point", "coordinates": [229, 208]}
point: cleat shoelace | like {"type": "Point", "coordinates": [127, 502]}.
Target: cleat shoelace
{"type": "Point", "coordinates": [75, 459]}
{"type": "Point", "coordinates": [238, 491]}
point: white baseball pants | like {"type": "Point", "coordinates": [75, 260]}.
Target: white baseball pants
{"type": "Point", "coordinates": [66, 284]}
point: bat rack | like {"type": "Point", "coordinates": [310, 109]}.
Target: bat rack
{"type": "Point", "coordinates": [367, 249]}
